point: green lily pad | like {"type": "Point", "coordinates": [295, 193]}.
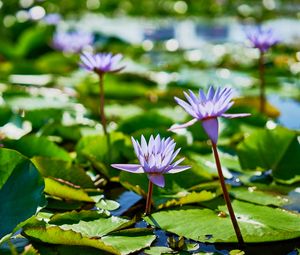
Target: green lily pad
{"type": "Point", "coordinates": [64, 170]}
{"type": "Point", "coordinates": [19, 199]}
{"type": "Point", "coordinates": [256, 222]}
{"type": "Point", "coordinates": [130, 240]}
{"type": "Point", "coordinates": [56, 235]}
{"type": "Point", "coordinates": [32, 146]}
{"type": "Point", "coordinates": [64, 190]}
{"type": "Point", "coordinates": [98, 227]}
{"type": "Point", "coordinates": [277, 149]}
{"type": "Point", "coordinates": [257, 196]}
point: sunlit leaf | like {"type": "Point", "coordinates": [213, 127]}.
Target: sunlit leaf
{"type": "Point", "coordinates": [256, 222]}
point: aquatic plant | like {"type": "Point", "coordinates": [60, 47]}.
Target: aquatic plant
{"type": "Point", "coordinates": [72, 42]}
{"type": "Point", "coordinates": [262, 39]}
{"type": "Point", "coordinates": [207, 109]}
{"type": "Point", "coordinates": [101, 63]}
{"type": "Point", "coordinates": [155, 159]}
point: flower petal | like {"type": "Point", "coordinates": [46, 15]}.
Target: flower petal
{"type": "Point", "coordinates": [157, 179]}
{"type": "Point", "coordinates": [211, 127]}
{"type": "Point", "coordinates": [187, 124]}
{"type": "Point", "coordinates": [178, 169]}
{"type": "Point", "coordinates": [235, 115]}
{"type": "Point", "coordinates": [132, 168]}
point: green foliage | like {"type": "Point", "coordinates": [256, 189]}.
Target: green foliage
{"type": "Point", "coordinates": [276, 149]}
{"type": "Point", "coordinates": [15, 206]}
{"type": "Point", "coordinates": [256, 222]}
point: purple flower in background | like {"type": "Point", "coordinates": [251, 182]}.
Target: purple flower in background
{"type": "Point", "coordinates": [207, 109]}
{"type": "Point", "coordinates": [101, 62]}
{"type": "Point", "coordinates": [155, 159]}
{"type": "Point", "coordinates": [72, 42]}
{"type": "Point", "coordinates": [262, 38]}
{"type": "Point", "coordinates": [52, 18]}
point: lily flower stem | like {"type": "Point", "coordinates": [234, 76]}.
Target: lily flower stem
{"type": "Point", "coordinates": [261, 68]}
{"type": "Point", "coordinates": [149, 198]}
{"type": "Point", "coordinates": [101, 94]}
{"type": "Point", "coordinates": [102, 114]}
{"type": "Point", "coordinates": [226, 197]}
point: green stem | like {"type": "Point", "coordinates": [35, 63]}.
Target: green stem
{"type": "Point", "coordinates": [262, 84]}
{"type": "Point", "coordinates": [149, 198]}
{"type": "Point", "coordinates": [102, 114]}
{"type": "Point", "coordinates": [101, 95]}
{"type": "Point", "coordinates": [226, 197]}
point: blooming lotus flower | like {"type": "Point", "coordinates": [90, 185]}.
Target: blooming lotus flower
{"type": "Point", "coordinates": [155, 159]}
{"type": "Point", "coordinates": [262, 38]}
{"type": "Point", "coordinates": [207, 109]}
{"type": "Point", "coordinates": [101, 62]}
{"type": "Point", "coordinates": [72, 42]}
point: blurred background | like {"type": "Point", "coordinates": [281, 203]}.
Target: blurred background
{"type": "Point", "coordinates": [166, 45]}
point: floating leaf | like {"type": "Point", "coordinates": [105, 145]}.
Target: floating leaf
{"type": "Point", "coordinates": [64, 170]}
{"type": "Point", "coordinates": [19, 198]}
{"type": "Point", "coordinates": [130, 240]}
{"type": "Point", "coordinates": [56, 235]}
{"type": "Point", "coordinates": [65, 191]}
{"type": "Point", "coordinates": [256, 196]}
{"type": "Point", "coordinates": [107, 204]}
{"type": "Point", "coordinates": [74, 217]}
{"type": "Point", "coordinates": [96, 228]}
{"type": "Point", "coordinates": [256, 222]}
{"type": "Point", "coordinates": [187, 198]}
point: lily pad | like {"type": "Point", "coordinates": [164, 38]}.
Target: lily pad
{"type": "Point", "coordinates": [256, 222]}
{"type": "Point", "coordinates": [66, 191]}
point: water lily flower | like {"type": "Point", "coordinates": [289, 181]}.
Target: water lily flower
{"type": "Point", "coordinates": [207, 109]}
{"type": "Point", "coordinates": [262, 38]}
{"type": "Point", "coordinates": [52, 18]}
{"type": "Point", "coordinates": [72, 42]}
{"type": "Point", "coordinates": [101, 63]}
{"type": "Point", "coordinates": [155, 159]}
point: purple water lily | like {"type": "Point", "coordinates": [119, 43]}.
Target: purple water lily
{"type": "Point", "coordinates": [72, 42]}
{"type": "Point", "coordinates": [155, 159]}
{"type": "Point", "coordinates": [207, 109]}
{"type": "Point", "coordinates": [52, 18]}
{"type": "Point", "coordinates": [101, 62]}
{"type": "Point", "coordinates": [262, 38]}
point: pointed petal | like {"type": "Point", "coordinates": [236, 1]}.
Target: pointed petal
{"type": "Point", "coordinates": [132, 168]}
{"type": "Point", "coordinates": [178, 169]}
{"type": "Point", "coordinates": [136, 147]}
{"type": "Point", "coordinates": [235, 115]}
{"type": "Point", "coordinates": [211, 128]}
{"type": "Point", "coordinates": [144, 145]}
{"type": "Point", "coordinates": [187, 124]}
{"type": "Point", "coordinates": [210, 93]}
{"type": "Point", "coordinates": [157, 179]}
{"type": "Point", "coordinates": [188, 108]}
